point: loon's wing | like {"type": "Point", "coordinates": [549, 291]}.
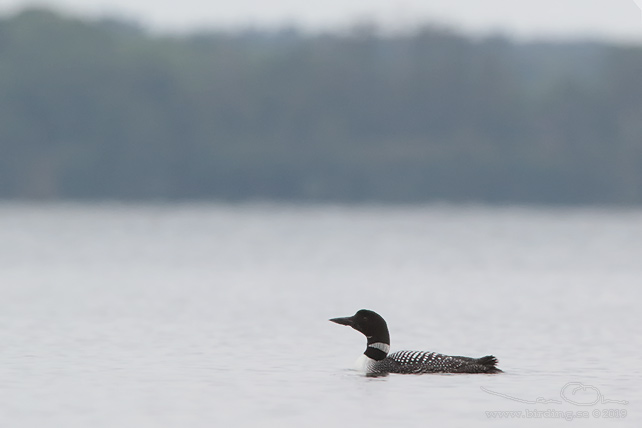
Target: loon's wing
{"type": "Point", "coordinates": [432, 362]}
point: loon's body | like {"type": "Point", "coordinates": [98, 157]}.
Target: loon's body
{"type": "Point", "coordinates": [376, 360]}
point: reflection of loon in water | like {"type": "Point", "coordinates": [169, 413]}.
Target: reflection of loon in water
{"type": "Point", "coordinates": [376, 361]}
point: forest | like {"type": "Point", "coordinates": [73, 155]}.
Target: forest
{"type": "Point", "coordinates": [104, 109]}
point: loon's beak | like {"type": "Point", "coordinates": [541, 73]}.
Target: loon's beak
{"type": "Point", "coordinates": [344, 321]}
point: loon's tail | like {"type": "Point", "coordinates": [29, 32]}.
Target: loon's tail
{"type": "Point", "coordinates": [490, 362]}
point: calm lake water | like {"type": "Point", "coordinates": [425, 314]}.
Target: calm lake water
{"type": "Point", "coordinates": [217, 315]}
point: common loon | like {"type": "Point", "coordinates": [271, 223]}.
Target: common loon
{"type": "Point", "coordinates": [376, 361]}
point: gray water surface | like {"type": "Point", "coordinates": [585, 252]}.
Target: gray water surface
{"type": "Point", "coordinates": [217, 315]}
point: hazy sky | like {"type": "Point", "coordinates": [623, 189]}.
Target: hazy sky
{"type": "Point", "coordinates": [610, 19]}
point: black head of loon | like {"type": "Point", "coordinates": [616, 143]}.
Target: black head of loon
{"type": "Point", "coordinates": [374, 327]}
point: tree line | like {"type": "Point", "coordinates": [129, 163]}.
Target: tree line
{"type": "Point", "coordinates": [103, 109]}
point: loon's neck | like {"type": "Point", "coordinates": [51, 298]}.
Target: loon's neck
{"type": "Point", "coordinates": [377, 350]}
{"type": "Point", "coordinates": [378, 345]}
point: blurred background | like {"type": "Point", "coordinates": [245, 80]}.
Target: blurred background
{"type": "Point", "coordinates": [349, 101]}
